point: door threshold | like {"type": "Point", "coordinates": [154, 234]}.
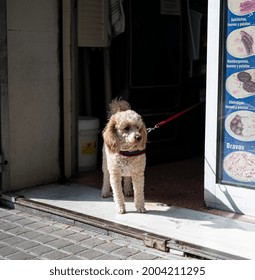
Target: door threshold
{"type": "Point", "coordinates": [151, 240]}
{"type": "Point", "coordinates": [166, 228]}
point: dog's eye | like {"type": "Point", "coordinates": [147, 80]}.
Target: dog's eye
{"type": "Point", "coordinates": [127, 128]}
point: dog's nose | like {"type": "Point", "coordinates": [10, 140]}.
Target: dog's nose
{"type": "Point", "coordinates": [138, 137]}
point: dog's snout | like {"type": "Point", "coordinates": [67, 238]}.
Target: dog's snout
{"type": "Point", "coordinates": [138, 137]}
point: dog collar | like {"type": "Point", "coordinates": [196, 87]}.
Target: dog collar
{"type": "Point", "coordinates": [133, 153]}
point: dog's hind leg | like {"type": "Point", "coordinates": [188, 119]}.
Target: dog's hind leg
{"type": "Point", "coordinates": [138, 183]}
{"type": "Point", "coordinates": [106, 189]}
{"type": "Point", "coordinates": [127, 186]}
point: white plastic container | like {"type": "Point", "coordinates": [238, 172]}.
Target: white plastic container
{"type": "Point", "coordinates": [88, 140]}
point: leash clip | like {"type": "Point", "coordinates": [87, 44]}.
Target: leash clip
{"type": "Point", "coordinates": [152, 128]}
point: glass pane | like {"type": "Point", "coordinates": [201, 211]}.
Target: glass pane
{"type": "Point", "coordinates": [236, 149]}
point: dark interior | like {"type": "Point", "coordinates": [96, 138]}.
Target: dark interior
{"type": "Point", "coordinates": [158, 65]}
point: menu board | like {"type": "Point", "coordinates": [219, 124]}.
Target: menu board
{"type": "Point", "coordinates": [238, 128]}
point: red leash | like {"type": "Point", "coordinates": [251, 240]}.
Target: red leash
{"type": "Point", "coordinates": [177, 115]}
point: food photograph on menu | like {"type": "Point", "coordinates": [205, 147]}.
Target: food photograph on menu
{"type": "Point", "coordinates": [241, 42]}
{"type": "Point", "coordinates": [241, 84]}
{"type": "Point", "coordinates": [241, 7]}
{"type": "Point", "coordinates": [241, 125]}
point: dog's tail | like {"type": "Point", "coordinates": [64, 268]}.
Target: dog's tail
{"type": "Point", "coordinates": [118, 105]}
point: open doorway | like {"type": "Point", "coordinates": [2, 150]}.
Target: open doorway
{"type": "Point", "coordinates": [158, 65]}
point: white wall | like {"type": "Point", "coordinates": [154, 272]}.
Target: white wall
{"type": "Point", "coordinates": [33, 81]}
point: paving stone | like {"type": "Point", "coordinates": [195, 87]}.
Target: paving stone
{"type": "Point", "coordinates": [105, 237]}
{"type": "Point", "coordinates": [142, 256]}
{"type": "Point", "coordinates": [13, 240]}
{"type": "Point", "coordinates": [44, 238]}
{"type": "Point", "coordinates": [125, 252]}
{"type": "Point", "coordinates": [48, 229]}
{"type": "Point", "coordinates": [123, 239]}
{"type": "Point", "coordinates": [90, 254]}
{"type": "Point", "coordinates": [5, 213]}
{"type": "Point", "coordinates": [39, 217]}
{"type": "Point", "coordinates": [37, 225]}
{"type": "Point", "coordinates": [16, 211]}
{"type": "Point", "coordinates": [59, 243]}
{"type": "Point", "coordinates": [25, 221]}
{"type": "Point", "coordinates": [28, 215]}
{"type": "Point", "coordinates": [30, 234]}
{"type": "Point", "coordinates": [18, 230]}
{"type": "Point", "coordinates": [41, 250]}
{"type": "Point", "coordinates": [56, 255]}
{"type": "Point", "coordinates": [77, 237]}
{"type": "Point", "coordinates": [63, 232]}
{"type": "Point", "coordinates": [12, 218]}
{"type": "Point", "coordinates": [24, 214]}
{"type": "Point", "coordinates": [4, 235]}
{"type": "Point", "coordinates": [8, 250]}
{"type": "Point", "coordinates": [73, 249]}
{"type": "Point", "coordinates": [62, 225]}
{"type": "Point", "coordinates": [21, 256]}
{"type": "Point", "coordinates": [6, 226]}
{"type": "Point", "coordinates": [2, 244]}
{"type": "Point", "coordinates": [91, 230]}
{"type": "Point", "coordinates": [107, 247]}
{"type": "Point", "coordinates": [92, 242]}
{"type": "Point", "coordinates": [72, 257]}
{"type": "Point", "coordinates": [140, 247]}
{"type": "Point", "coordinates": [27, 244]}
{"type": "Point", "coordinates": [121, 242]}
{"type": "Point", "coordinates": [108, 257]}
{"type": "Point", "coordinates": [77, 229]}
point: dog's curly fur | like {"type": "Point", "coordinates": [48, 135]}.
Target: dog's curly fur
{"type": "Point", "coordinates": [125, 131]}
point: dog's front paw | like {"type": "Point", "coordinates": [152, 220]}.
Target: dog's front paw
{"type": "Point", "coordinates": [121, 210]}
{"type": "Point", "coordinates": [106, 194]}
{"type": "Point", "coordinates": [141, 210]}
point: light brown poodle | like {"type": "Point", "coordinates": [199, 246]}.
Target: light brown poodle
{"type": "Point", "coordinates": [125, 138]}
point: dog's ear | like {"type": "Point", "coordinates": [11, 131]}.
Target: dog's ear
{"type": "Point", "coordinates": [110, 137]}
{"type": "Point", "coordinates": [144, 134]}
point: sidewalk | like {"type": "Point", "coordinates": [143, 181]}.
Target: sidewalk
{"type": "Point", "coordinates": [198, 233]}
{"type": "Point", "coordinates": [25, 236]}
